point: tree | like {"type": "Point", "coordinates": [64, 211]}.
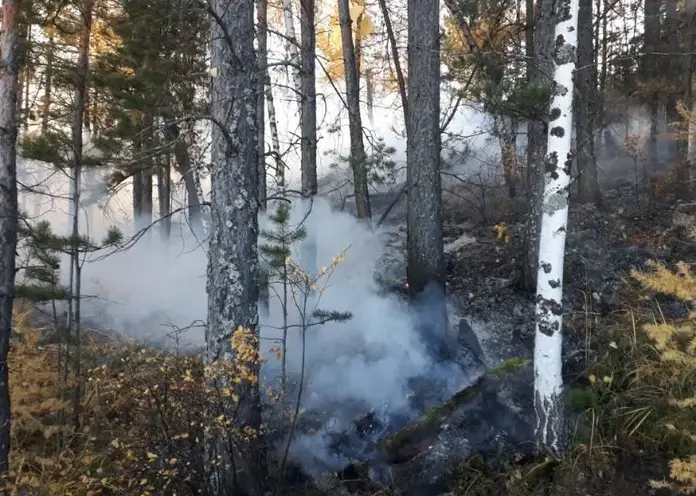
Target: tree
{"type": "Point", "coordinates": [358, 157]}
{"type": "Point", "coordinates": [9, 71]}
{"type": "Point", "coordinates": [548, 402]}
{"type": "Point", "coordinates": [585, 108]}
{"type": "Point", "coordinates": [536, 137]}
{"type": "Point", "coordinates": [233, 247]}
{"type": "Point", "coordinates": [426, 262]}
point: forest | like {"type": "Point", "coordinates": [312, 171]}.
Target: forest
{"type": "Point", "coordinates": [347, 247]}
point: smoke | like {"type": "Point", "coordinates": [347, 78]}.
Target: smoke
{"type": "Point", "coordinates": [362, 365]}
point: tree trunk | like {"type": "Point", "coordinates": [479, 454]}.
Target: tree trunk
{"type": "Point", "coordinates": [164, 192]}
{"type": "Point", "coordinates": [683, 168]}
{"type": "Point", "coordinates": [536, 144]}
{"type": "Point", "coordinates": [183, 161]}
{"type": "Point", "coordinates": [9, 78]}
{"type": "Point", "coordinates": [426, 262]}
{"type": "Point", "coordinates": [48, 85]}
{"type": "Point", "coordinates": [275, 140]}
{"type": "Point", "coordinates": [401, 81]}
{"type": "Point", "coordinates": [506, 131]}
{"type": "Point", "coordinates": [358, 158]}
{"type": "Point", "coordinates": [551, 429]}
{"type": "Point", "coordinates": [262, 59]}
{"type": "Point", "coordinates": [82, 72]}
{"type": "Point", "coordinates": [232, 285]}
{"type": "Point", "coordinates": [309, 101]}
{"type": "Point", "coordinates": [146, 169]}
{"type": "Point", "coordinates": [585, 98]}
{"type": "Point", "coordinates": [308, 126]}
{"type": "Point", "coordinates": [649, 70]}
{"type": "Point", "coordinates": [291, 47]}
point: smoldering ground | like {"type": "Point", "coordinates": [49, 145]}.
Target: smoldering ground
{"type": "Point", "coordinates": [366, 364]}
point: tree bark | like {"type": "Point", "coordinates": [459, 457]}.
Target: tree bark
{"type": "Point", "coordinates": [551, 429]}
{"type": "Point", "coordinates": [82, 72]}
{"type": "Point", "coordinates": [536, 139]}
{"type": "Point", "coordinates": [649, 70]}
{"type": "Point", "coordinates": [401, 81]}
{"type": "Point", "coordinates": [291, 47]}
{"type": "Point", "coordinates": [309, 101]}
{"type": "Point", "coordinates": [183, 161]}
{"type": "Point", "coordinates": [585, 98]}
{"type": "Point", "coordinates": [48, 85]}
{"type": "Point", "coordinates": [232, 284]}
{"type": "Point", "coordinates": [164, 192]}
{"type": "Point", "coordinates": [275, 139]}
{"type": "Point", "coordinates": [262, 59]}
{"type": "Point", "coordinates": [358, 158]}
{"type": "Point", "coordinates": [425, 255]}
{"type": "Point", "coordinates": [146, 170]}
{"type": "Point", "coordinates": [683, 168]}
{"type": "Point", "coordinates": [9, 86]}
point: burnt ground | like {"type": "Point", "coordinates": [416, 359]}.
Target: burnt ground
{"type": "Point", "coordinates": [484, 287]}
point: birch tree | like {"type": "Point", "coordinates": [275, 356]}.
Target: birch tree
{"type": "Point", "coordinates": [548, 385]}
{"type": "Point", "coordinates": [291, 49]}
{"type": "Point", "coordinates": [9, 71]}
{"type": "Point", "coordinates": [233, 246]}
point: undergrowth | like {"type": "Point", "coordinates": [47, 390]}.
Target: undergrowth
{"type": "Point", "coordinates": [142, 426]}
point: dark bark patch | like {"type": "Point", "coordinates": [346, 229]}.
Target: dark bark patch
{"type": "Point", "coordinates": [555, 114]}
{"type": "Point", "coordinates": [551, 165]}
{"type": "Point", "coordinates": [555, 283]}
{"type": "Point", "coordinates": [563, 10]}
{"type": "Point", "coordinates": [546, 267]}
{"type": "Point", "coordinates": [549, 306]}
{"type": "Point", "coordinates": [568, 164]}
{"type": "Point", "coordinates": [563, 53]}
{"type": "Point", "coordinates": [557, 131]}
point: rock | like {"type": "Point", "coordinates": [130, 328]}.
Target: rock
{"type": "Point", "coordinates": [460, 243]}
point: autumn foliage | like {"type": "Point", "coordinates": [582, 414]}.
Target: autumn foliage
{"type": "Point", "coordinates": [143, 423]}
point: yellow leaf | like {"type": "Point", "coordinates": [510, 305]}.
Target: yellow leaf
{"type": "Point", "coordinates": [151, 456]}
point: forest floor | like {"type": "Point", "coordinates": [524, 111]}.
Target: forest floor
{"type": "Point", "coordinates": [628, 446]}
{"type": "Point", "coordinates": [141, 420]}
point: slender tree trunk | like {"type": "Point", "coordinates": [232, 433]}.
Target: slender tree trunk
{"type": "Point", "coordinates": [649, 70]}
{"type": "Point", "coordinates": [358, 158]}
{"type": "Point", "coordinates": [585, 98]}
{"type": "Point", "coordinates": [551, 429]}
{"type": "Point", "coordinates": [183, 161]}
{"type": "Point", "coordinates": [291, 47]}
{"type": "Point", "coordinates": [233, 246]}
{"type": "Point", "coordinates": [309, 100]}
{"type": "Point", "coordinates": [262, 59]}
{"type": "Point", "coordinates": [146, 169]}
{"type": "Point", "coordinates": [9, 77]}
{"type": "Point", "coordinates": [426, 262]}
{"type": "Point", "coordinates": [683, 169]}
{"type": "Point", "coordinates": [401, 81]}
{"type": "Point", "coordinates": [48, 85]}
{"type": "Point", "coordinates": [308, 126]}
{"type": "Point", "coordinates": [536, 145]}
{"type": "Point", "coordinates": [164, 195]}
{"type": "Point", "coordinates": [275, 140]}
{"type": "Point", "coordinates": [82, 73]}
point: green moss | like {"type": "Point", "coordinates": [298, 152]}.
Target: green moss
{"type": "Point", "coordinates": [508, 366]}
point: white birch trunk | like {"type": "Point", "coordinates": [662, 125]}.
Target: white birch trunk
{"type": "Point", "coordinates": [291, 46]}
{"type": "Point", "coordinates": [548, 402]}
